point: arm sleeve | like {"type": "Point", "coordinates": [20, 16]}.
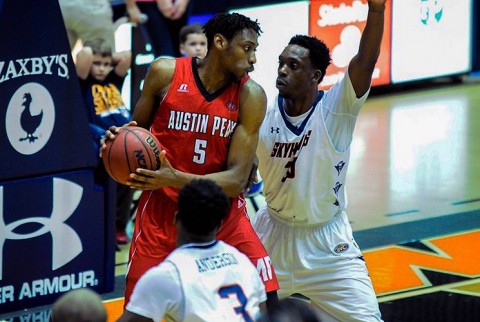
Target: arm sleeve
{"type": "Point", "coordinates": [340, 109]}
{"type": "Point", "coordinates": [157, 293]}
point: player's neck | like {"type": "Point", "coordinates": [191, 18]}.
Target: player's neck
{"type": "Point", "coordinates": [212, 74]}
{"type": "Point", "coordinates": [295, 106]}
{"type": "Point", "coordinates": [187, 238]}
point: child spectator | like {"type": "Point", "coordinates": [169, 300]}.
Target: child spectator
{"type": "Point", "coordinates": [101, 75]}
{"type": "Point", "coordinates": [193, 42]}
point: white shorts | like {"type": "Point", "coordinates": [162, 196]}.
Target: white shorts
{"type": "Point", "coordinates": [322, 263]}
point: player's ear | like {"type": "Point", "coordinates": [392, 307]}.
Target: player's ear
{"type": "Point", "coordinates": [182, 50]}
{"type": "Point", "coordinates": [220, 42]}
{"type": "Point", "coordinates": [317, 74]}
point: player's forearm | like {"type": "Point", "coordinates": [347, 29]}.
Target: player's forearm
{"type": "Point", "coordinates": [131, 5]}
{"type": "Point", "coordinates": [232, 184]}
{"type": "Point", "coordinates": [229, 183]}
{"type": "Point", "coordinates": [371, 38]}
{"type": "Point", "coordinates": [84, 60]}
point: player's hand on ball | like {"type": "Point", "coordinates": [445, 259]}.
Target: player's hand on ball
{"type": "Point", "coordinates": [144, 179]}
{"type": "Point", "coordinates": [110, 135]}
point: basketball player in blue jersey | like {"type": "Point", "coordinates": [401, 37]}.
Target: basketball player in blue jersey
{"type": "Point", "coordinates": [203, 279]}
{"type": "Point", "coordinates": [303, 157]}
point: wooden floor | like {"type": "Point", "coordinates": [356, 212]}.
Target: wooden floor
{"type": "Point", "coordinates": [414, 202]}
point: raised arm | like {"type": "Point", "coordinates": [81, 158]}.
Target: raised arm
{"type": "Point", "coordinates": [362, 65]}
{"type": "Point", "coordinates": [122, 60]}
{"type": "Point", "coordinates": [84, 62]}
{"type": "Point", "coordinates": [133, 11]}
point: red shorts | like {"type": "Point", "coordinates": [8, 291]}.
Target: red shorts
{"type": "Point", "coordinates": [155, 237]}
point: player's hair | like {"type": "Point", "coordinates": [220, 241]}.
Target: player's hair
{"type": "Point", "coordinates": [289, 310]}
{"type": "Point", "coordinates": [194, 28]}
{"type": "Point", "coordinates": [319, 52]}
{"type": "Point", "coordinates": [202, 205]}
{"type": "Point", "coordinates": [228, 25]}
{"type": "Point", "coordinates": [99, 46]}
{"type": "Point", "coordinates": [81, 304]}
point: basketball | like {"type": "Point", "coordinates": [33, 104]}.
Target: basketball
{"type": "Point", "coordinates": [133, 147]}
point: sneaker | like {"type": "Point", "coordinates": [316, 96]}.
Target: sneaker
{"type": "Point", "coordinates": [120, 237]}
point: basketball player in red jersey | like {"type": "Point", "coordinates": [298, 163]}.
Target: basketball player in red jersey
{"type": "Point", "coordinates": [207, 122]}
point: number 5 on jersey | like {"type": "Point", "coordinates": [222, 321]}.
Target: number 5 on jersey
{"type": "Point", "coordinates": [199, 151]}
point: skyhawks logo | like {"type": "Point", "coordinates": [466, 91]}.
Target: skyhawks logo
{"type": "Point", "coordinates": [66, 198]}
{"type": "Point", "coordinates": [339, 167]}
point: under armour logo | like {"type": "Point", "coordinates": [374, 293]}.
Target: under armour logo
{"type": "Point", "coordinates": [66, 198]}
{"type": "Point", "coordinates": [183, 88]}
{"type": "Point", "coordinates": [274, 130]}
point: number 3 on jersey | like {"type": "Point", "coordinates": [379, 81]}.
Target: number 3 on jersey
{"type": "Point", "coordinates": [290, 166]}
{"type": "Point", "coordinates": [199, 150]}
{"type": "Point", "coordinates": [236, 290]}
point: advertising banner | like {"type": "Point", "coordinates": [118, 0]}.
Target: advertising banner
{"type": "Point", "coordinates": [56, 225]}
{"type": "Point", "coordinates": [43, 122]}
{"type": "Point", "coordinates": [51, 239]}
{"type": "Point", "coordinates": [278, 27]}
{"type": "Point", "coordinates": [431, 38]}
{"type": "Point", "coordinates": [339, 23]}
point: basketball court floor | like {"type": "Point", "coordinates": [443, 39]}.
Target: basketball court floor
{"type": "Point", "coordinates": [414, 204]}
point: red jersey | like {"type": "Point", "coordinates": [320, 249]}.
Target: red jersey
{"type": "Point", "coordinates": [194, 126]}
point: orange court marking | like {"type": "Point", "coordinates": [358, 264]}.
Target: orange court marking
{"type": "Point", "coordinates": [115, 309]}
{"type": "Point", "coordinates": [398, 268]}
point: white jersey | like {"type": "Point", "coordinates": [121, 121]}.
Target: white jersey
{"type": "Point", "coordinates": [200, 282]}
{"type": "Point", "coordinates": [302, 170]}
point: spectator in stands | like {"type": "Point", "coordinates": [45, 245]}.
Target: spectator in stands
{"type": "Point", "coordinates": [193, 42]}
{"type": "Point", "coordinates": [102, 74]}
{"type": "Point", "coordinates": [87, 20]}
{"type": "Point", "coordinates": [165, 19]}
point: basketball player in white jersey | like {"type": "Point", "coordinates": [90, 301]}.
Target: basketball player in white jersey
{"type": "Point", "coordinates": [203, 279]}
{"type": "Point", "coordinates": [303, 158]}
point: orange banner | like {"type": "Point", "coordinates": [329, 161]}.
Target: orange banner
{"type": "Point", "coordinates": [339, 23]}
